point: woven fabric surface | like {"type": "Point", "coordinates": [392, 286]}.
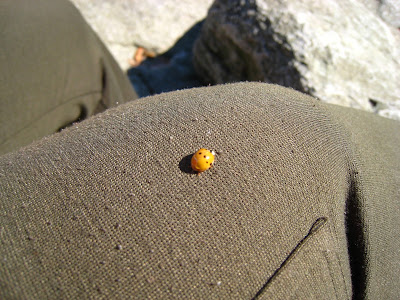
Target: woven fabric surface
{"type": "Point", "coordinates": [373, 221]}
{"type": "Point", "coordinates": [108, 208]}
{"type": "Point", "coordinates": [55, 71]}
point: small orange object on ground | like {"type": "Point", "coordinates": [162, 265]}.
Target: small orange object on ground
{"type": "Point", "coordinates": [202, 160]}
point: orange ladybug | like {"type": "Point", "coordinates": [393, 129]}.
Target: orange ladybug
{"type": "Point", "coordinates": [202, 160]}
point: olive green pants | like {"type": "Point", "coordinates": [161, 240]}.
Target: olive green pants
{"type": "Point", "coordinates": [54, 71]}
{"type": "Point", "coordinates": [303, 201]}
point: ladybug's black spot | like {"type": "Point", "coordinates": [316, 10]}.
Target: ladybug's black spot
{"type": "Point", "coordinates": [200, 153]}
{"type": "Point", "coordinates": [206, 162]}
{"type": "Point", "coordinates": [205, 156]}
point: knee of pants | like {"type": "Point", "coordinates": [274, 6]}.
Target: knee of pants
{"type": "Point", "coordinates": [110, 205]}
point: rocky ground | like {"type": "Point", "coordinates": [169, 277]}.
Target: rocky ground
{"type": "Point", "coordinates": [346, 53]}
{"type": "Point", "coordinates": [156, 25]}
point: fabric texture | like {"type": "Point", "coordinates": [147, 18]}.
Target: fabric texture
{"type": "Point", "coordinates": [374, 211]}
{"type": "Point", "coordinates": [55, 71]}
{"type": "Point", "coordinates": [302, 203]}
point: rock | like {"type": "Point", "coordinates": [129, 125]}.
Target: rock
{"type": "Point", "coordinates": [170, 71]}
{"type": "Point", "coordinates": [340, 52]}
{"type": "Point", "coordinates": [389, 110]}
{"type": "Point", "coordinates": [153, 24]}
{"type": "Point", "coordinates": [388, 10]}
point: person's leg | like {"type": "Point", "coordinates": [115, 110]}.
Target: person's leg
{"type": "Point", "coordinates": [373, 210]}
{"type": "Point", "coordinates": [108, 207]}
{"type": "Point", "coordinates": [54, 71]}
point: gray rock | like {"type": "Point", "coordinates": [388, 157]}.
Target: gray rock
{"type": "Point", "coordinates": [170, 71]}
{"type": "Point", "coordinates": [338, 51]}
{"type": "Point", "coordinates": [156, 25]}
{"type": "Point", "coordinates": [388, 10]}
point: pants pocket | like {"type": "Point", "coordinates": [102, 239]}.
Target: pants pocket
{"type": "Point", "coordinates": [312, 270]}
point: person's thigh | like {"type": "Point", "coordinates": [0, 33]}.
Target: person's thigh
{"type": "Point", "coordinates": [54, 71]}
{"type": "Point", "coordinates": [110, 208]}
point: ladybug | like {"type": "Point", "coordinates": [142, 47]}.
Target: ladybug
{"type": "Point", "coordinates": [202, 160]}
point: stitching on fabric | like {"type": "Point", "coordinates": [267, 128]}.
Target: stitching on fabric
{"type": "Point", "coordinates": [341, 271]}
{"type": "Point", "coordinates": [316, 226]}
{"type": "Point", "coordinates": [325, 255]}
{"type": "Point", "coordinates": [42, 115]}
